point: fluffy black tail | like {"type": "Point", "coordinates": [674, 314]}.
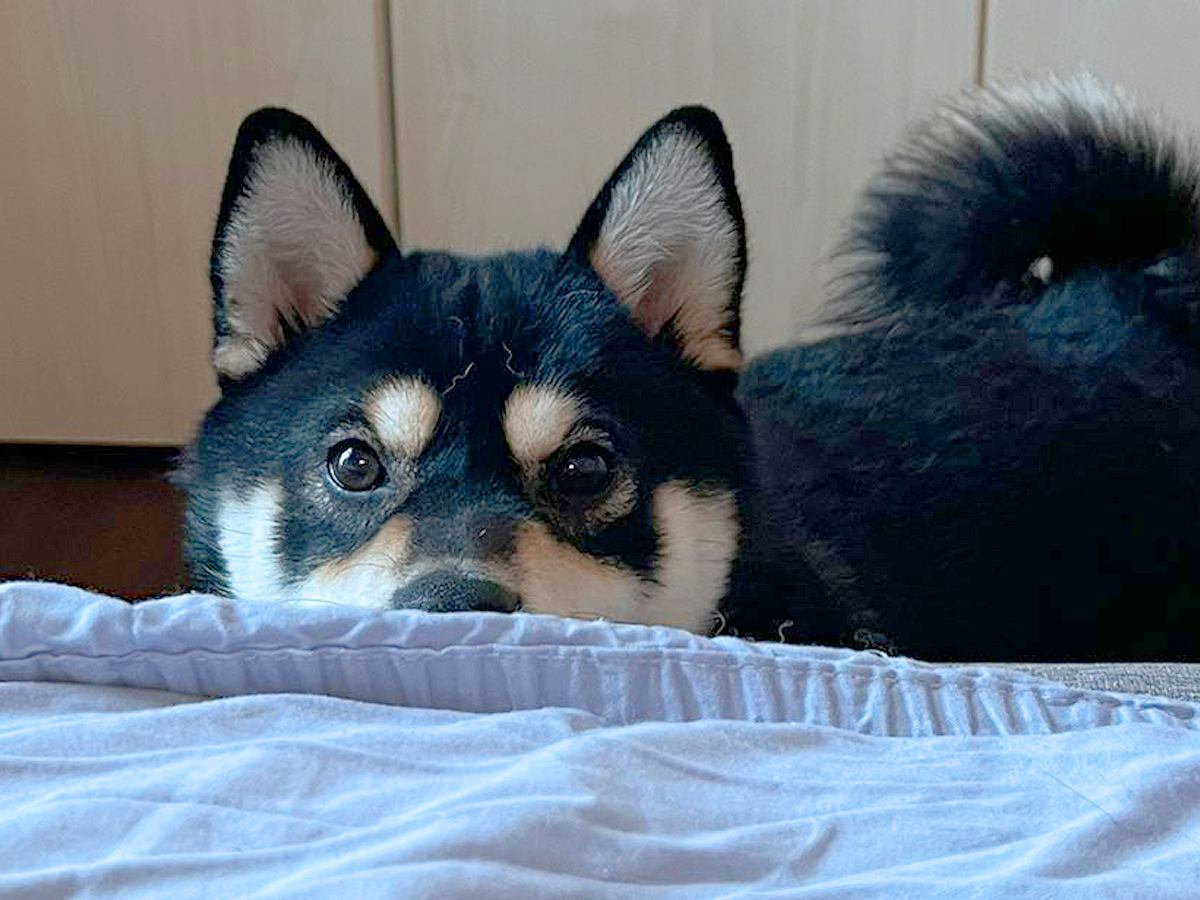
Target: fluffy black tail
{"type": "Point", "coordinates": [1035, 181]}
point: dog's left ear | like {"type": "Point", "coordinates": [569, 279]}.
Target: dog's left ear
{"type": "Point", "coordinates": [666, 236]}
{"type": "Point", "coordinates": [296, 232]}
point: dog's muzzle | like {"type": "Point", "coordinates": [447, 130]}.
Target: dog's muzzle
{"type": "Point", "coordinates": [451, 590]}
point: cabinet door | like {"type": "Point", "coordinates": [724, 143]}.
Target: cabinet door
{"type": "Point", "coordinates": [118, 118]}
{"type": "Point", "coordinates": [510, 114]}
{"type": "Point", "coordinates": [1149, 48]}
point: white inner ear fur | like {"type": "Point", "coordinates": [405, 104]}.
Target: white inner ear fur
{"type": "Point", "coordinates": [668, 247]}
{"type": "Point", "coordinates": [293, 249]}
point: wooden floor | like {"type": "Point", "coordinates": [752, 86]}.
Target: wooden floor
{"type": "Point", "coordinates": [99, 517]}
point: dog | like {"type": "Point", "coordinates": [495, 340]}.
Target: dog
{"type": "Point", "coordinates": [554, 432]}
{"type": "Point", "coordinates": [995, 461]}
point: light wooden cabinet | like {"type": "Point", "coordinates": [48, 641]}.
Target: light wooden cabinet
{"type": "Point", "coordinates": [510, 114]}
{"type": "Point", "coordinates": [1147, 47]}
{"type": "Point", "coordinates": [119, 117]}
{"type": "Point", "coordinates": [476, 125]}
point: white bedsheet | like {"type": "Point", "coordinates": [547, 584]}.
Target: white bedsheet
{"type": "Point", "coordinates": [401, 754]}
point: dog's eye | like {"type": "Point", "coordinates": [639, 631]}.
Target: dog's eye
{"type": "Point", "coordinates": [582, 471]}
{"type": "Point", "coordinates": [354, 466]}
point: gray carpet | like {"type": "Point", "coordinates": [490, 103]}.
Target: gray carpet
{"type": "Point", "coordinates": [1178, 681]}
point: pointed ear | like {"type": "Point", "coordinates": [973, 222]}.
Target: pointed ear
{"type": "Point", "coordinates": [296, 232]}
{"type": "Point", "coordinates": [666, 235]}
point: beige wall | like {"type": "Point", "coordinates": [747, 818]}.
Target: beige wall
{"type": "Point", "coordinates": [509, 115]}
{"type": "Point", "coordinates": [118, 117]}
{"type": "Point", "coordinates": [1148, 46]}
{"type": "Point", "coordinates": [476, 124]}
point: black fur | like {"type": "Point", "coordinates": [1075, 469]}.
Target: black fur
{"type": "Point", "coordinates": [473, 328]}
{"type": "Point", "coordinates": [1069, 171]}
{"type": "Point", "coordinates": [1009, 467]}
{"type": "Point", "coordinates": [998, 466]}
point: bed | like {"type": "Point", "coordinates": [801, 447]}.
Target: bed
{"type": "Point", "coordinates": [193, 746]}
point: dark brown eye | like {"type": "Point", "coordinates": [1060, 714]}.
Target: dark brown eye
{"type": "Point", "coordinates": [582, 472]}
{"type": "Point", "coordinates": [354, 466]}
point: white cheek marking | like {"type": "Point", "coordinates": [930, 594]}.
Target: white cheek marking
{"type": "Point", "coordinates": [698, 535]}
{"type": "Point", "coordinates": [404, 413]}
{"type": "Point", "coordinates": [698, 539]}
{"type": "Point", "coordinates": [557, 579]}
{"type": "Point", "coordinates": [369, 576]}
{"type": "Point", "coordinates": [249, 540]}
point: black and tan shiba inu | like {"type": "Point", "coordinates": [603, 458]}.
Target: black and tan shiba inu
{"type": "Point", "coordinates": [1003, 465]}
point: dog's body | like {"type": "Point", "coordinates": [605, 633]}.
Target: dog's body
{"type": "Point", "coordinates": [1008, 462]}
{"type": "Point", "coordinates": [1002, 468]}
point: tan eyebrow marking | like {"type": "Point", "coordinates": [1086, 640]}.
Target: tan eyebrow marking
{"type": "Point", "coordinates": [537, 419]}
{"type": "Point", "coordinates": [403, 411]}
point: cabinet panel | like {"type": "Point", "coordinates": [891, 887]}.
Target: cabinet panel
{"type": "Point", "coordinates": [1147, 47]}
{"type": "Point", "coordinates": [118, 120]}
{"type": "Point", "coordinates": [510, 114]}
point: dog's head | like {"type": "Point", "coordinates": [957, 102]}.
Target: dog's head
{"type": "Point", "coordinates": [547, 431]}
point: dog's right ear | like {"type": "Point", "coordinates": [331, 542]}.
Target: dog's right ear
{"type": "Point", "coordinates": [296, 232]}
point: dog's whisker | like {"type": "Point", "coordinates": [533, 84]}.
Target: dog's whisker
{"type": "Point", "coordinates": [589, 616]}
{"type": "Point", "coordinates": [721, 623]}
{"type": "Point", "coordinates": [457, 378]}
{"type": "Point", "coordinates": [508, 362]}
{"type": "Point", "coordinates": [364, 564]}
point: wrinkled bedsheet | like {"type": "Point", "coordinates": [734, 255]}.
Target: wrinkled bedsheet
{"type": "Point", "coordinates": [196, 747]}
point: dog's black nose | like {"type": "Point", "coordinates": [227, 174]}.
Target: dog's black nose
{"type": "Point", "coordinates": [453, 591]}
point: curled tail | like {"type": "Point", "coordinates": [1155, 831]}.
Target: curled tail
{"type": "Point", "coordinates": [1038, 180]}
